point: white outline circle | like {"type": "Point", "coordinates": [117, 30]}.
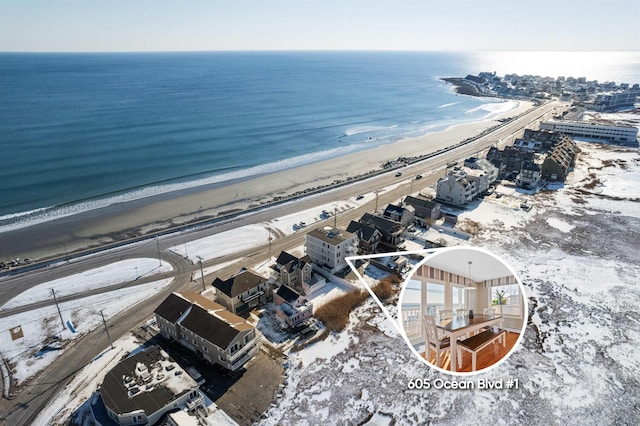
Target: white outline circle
{"type": "Point", "coordinates": [434, 253]}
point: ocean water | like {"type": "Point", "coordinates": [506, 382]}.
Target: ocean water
{"type": "Point", "coordinates": [82, 131]}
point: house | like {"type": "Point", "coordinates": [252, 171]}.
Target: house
{"type": "Point", "coordinates": [328, 248]}
{"type": "Point", "coordinates": [140, 389]}
{"type": "Point", "coordinates": [484, 165]}
{"type": "Point", "coordinates": [296, 273]}
{"type": "Point", "coordinates": [368, 237]}
{"type": "Point", "coordinates": [425, 209]}
{"type": "Point", "coordinates": [404, 215]}
{"type": "Point", "coordinates": [529, 175]}
{"type": "Point", "coordinates": [509, 160]}
{"type": "Point", "coordinates": [560, 160]}
{"type": "Point", "coordinates": [292, 307]}
{"type": "Point", "coordinates": [390, 229]}
{"type": "Point", "coordinates": [208, 329]}
{"type": "Point", "coordinates": [241, 292]}
{"type": "Point", "coordinates": [456, 189]}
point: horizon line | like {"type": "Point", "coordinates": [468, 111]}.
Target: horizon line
{"type": "Point", "coordinates": [322, 51]}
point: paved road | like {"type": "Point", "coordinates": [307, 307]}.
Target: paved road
{"type": "Point", "coordinates": [36, 394]}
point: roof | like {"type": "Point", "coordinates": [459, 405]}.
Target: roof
{"type": "Point", "coordinates": [420, 202]}
{"type": "Point", "coordinates": [288, 294]}
{"type": "Point", "coordinates": [397, 210]}
{"type": "Point", "coordinates": [238, 284]}
{"type": "Point", "coordinates": [179, 304]}
{"type": "Point", "coordinates": [209, 327]}
{"type": "Point", "coordinates": [380, 222]}
{"type": "Point", "coordinates": [285, 258]}
{"type": "Point", "coordinates": [150, 397]}
{"type": "Point", "coordinates": [331, 236]}
{"type": "Point", "coordinates": [172, 307]}
{"type": "Point", "coordinates": [292, 262]}
{"type": "Point", "coordinates": [202, 301]}
{"type": "Point", "coordinates": [364, 231]}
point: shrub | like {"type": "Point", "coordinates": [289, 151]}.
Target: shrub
{"type": "Point", "coordinates": [335, 314]}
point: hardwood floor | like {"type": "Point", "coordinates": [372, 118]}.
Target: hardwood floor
{"type": "Point", "coordinates": [485, 358]}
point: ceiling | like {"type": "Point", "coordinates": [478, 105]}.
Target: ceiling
{"type": "Point", "coordinates": [484, 265]}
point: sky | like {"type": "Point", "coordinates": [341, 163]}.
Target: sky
{"type": "Point", "coordinates": [434, 25]}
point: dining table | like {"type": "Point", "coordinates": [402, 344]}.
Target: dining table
{"type": "Point", "coordinates": [461, 325]}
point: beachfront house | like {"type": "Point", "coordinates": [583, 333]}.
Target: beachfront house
{"type": "Point", "coordinates": [241, 292]}
{"type": "Point", "coordinates": [368, 237]}
{"type": "Point", "coordinates": [140, 389]}
{"type": "Point", "coordinates": [208, 329]}
{"type": "Point", "coordinates": [390, 229]}
{"type": "Point", "coordinates": [328, 248]}
{"type": "Point", "coordinates": [426, 210]}
{"type": "Point", "coordinates": [297, 273]}
{"type": "Point", "coordinates": [292, 307]}
{"type": "Point", "coordinates": [403, 215]}
{"type": "Point", "coordinates": [456, 189]}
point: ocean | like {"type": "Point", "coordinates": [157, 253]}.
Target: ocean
{"type": "Point", "coordinates": [83, 131]}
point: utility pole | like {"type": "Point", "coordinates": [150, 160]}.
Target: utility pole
{"type": "Point", "coordinates": [335, 216]}
{"type": "Point", "coordinates": [106, 329]}
{"type": "Point", "coordinates": [269, 244]}
{"type": "Point", "coordinates": [58, 307]}
{"type": "Point", "coordinates": [377, 191]}
{"type": "Point", "coordinates": [158, 245]}
{"type": "Point", "coordinates": [201, 273]}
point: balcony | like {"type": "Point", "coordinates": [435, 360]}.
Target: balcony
{"type": "Point", "coordinates": [254, 296]}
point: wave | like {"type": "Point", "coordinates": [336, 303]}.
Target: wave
{"type": "Point", "coordinates": [448, 105]}
{"type": "Point", "coordinates": [367, 129]}
{"type": "Point", "coordinates": [25, 219]}
{"type": "Point", "coordinates": [494, 109]}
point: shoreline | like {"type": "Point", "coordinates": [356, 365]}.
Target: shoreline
{"type": "Point", "coordinates": [160, 212]}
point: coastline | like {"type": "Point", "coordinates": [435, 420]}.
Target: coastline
{"type": "Point", "coordinates": [139, 217]}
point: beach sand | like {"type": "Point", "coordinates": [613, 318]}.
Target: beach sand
{"type": "Point", "coordinates": [139, 217]}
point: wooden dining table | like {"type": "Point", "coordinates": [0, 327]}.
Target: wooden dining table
{"type": "Point", "coordinates": [458, 326]}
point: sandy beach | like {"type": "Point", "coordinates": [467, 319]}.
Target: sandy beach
{"type": "Point", "coordinates": [135, 218]}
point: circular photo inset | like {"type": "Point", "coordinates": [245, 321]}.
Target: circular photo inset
{"type": "Point", "coordinates": [462, 310]}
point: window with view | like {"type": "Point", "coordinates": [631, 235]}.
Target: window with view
{"type": "Point", "coordinates": [507, 298]}
{"type": "Point", "coordinates": [458, 298]}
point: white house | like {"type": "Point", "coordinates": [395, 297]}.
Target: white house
{"type": "Point", "coordinates": [328, 247]}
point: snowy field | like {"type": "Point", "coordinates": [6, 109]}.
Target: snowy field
{"type": "Point", "coordinates": [40, 327]}
{"type": "Point", "coordinates": [576, 252]}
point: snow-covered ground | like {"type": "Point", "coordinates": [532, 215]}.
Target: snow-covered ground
{"type": "Point", "coordinates": [576, 252]}
{"type": "Point", "coordinates": [28, 355]}
{"type": "Point", "coordinates": [115, 273]}
{"type": "Point", "coordinates": [248, 237]}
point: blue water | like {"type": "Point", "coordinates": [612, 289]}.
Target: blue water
{"type": "Point", "coordinates": [81, 131]}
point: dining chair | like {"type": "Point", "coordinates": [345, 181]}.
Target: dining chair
{"type": "Point", "coordinates": [445, 314]}
{"type": "Point", "coordinates": [489, 311]}
{"type": "Point", "coordinates": [435, 343]}
{"type": "Point", "coordinates": [461, 312]}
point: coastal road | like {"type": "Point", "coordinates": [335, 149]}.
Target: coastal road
{"type": "Point", "coordinates": [36, 394]}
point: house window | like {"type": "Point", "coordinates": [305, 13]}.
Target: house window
{"type": "Point", "coordinates": [458, 298]}
{"type": "Point", "coordinates": [435, 298]}
{"type": "Point", "coordinates": [506, 298]}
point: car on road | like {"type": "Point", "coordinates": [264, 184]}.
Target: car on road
{"type": "Point", "coordinates": [418, 177]}
{"type": "Point", "coordinates": [398, 174]}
